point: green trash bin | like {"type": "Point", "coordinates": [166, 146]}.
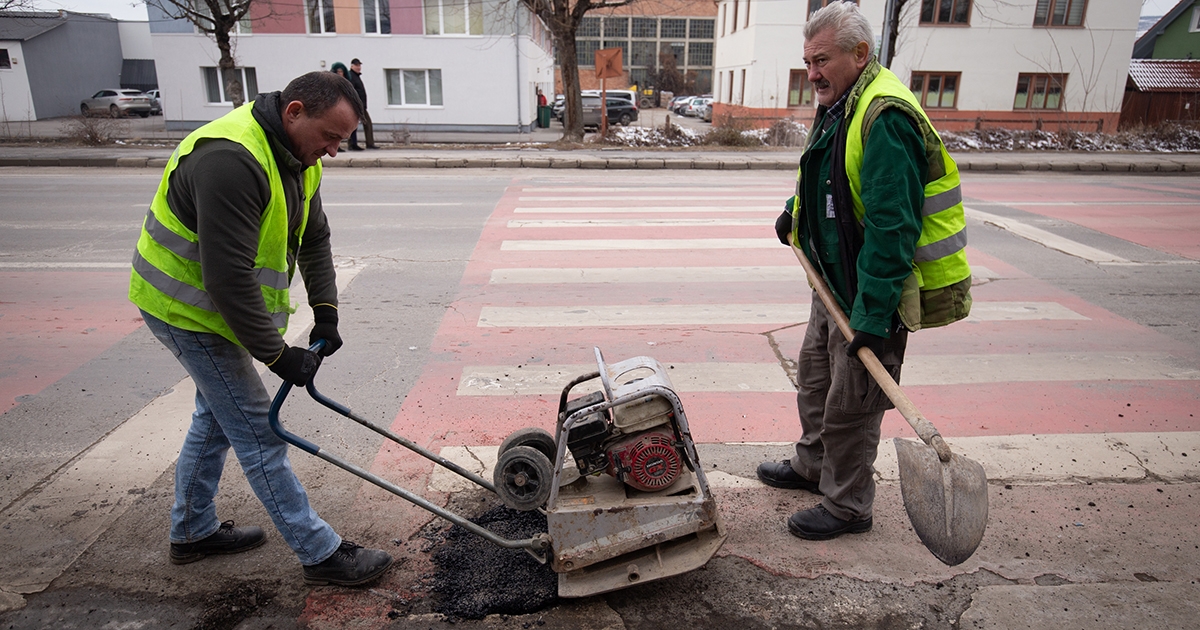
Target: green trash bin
{"type": "Point", "coordinates": [544, 116]}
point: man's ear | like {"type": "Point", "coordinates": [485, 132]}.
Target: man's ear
{"type": "Point", "coordinates": [862, 55]}
{"type": "Point", "coordinates": [293, 110]}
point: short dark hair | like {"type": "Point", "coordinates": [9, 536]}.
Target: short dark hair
{"type": "Point", "coordinates": [355, 62]}
{"type": "Point", "coordinates": [319, 91]}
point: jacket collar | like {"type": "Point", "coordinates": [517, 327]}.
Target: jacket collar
{"type": "Point", "coordinates": [868, 75]}
{"type": "Point", "coordinates": [268, 113]}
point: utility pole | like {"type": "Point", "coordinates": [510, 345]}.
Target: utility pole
{"type": "Point", "coordinates": [887, 44]}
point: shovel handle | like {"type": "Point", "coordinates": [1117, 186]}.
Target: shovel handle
{"type": "Point", "coordinates": [924, 428]}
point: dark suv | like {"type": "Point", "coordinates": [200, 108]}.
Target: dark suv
{"type": "Point", "coordinates": [620, 111]}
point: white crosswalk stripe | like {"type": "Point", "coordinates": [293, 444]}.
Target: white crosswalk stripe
{"type": "Point", "coordinates": [638, 244]}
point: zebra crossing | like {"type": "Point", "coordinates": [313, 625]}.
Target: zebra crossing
{"type": "Point", "coordinates": [717, 299]}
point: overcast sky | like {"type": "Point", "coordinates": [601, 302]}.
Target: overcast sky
{"type": "Point", "coordinates": [133, 10]}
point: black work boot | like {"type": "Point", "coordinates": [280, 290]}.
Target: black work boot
{"type": "Point", "coordinates": [227, 539]}
{"type": "Point", "coordinates": [350, 565]}
{"type": "Point", "coordinates": [818, 524]}
{"type": "Point", "coordinates": [782, 475]}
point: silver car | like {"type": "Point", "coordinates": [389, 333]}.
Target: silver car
{"type": "Point", "coordinates": [155, 102]}
{"type": "Point", "coordinates": [116, 103]}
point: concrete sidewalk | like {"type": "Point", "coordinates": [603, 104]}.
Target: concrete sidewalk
{"type": "Point", "coordinates": [525, 155]}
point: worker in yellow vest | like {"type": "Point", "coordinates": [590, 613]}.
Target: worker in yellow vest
{"type": "Point", "coordinates": [878, 210]}
{"type": "Point", "coordinates": [237, 212]}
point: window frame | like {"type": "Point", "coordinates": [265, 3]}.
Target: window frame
{"type": "Point", "coordinates": [469, 18]}
{"type": "Point", "coordinates": [386, 5]}
{"type": "Point", "coordinates": [5, 60]}
{"type": "Point", "coordinates": [1032, 77]}
{"type": "Point", "coordinates": [817, 5]}
{"type": "Point", "coordinates": [1195, 25]}
{"type": "Point", "coordinates": [803, 82]}
{"type": "Point", "coordinates": [935, 21]}
{"type": "Point", "coordinates": [428, 104]}
{"type": "Point", "coordinates": [324, 9]}
{"type": "Point", "coordinates": [942, 76]}
{"type": "Point", "coordinates": [1051, 5]}
{"type": "Point", "coordinates": [247, 93]}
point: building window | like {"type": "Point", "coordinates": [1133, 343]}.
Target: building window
{"type": "Point", "coordinates": [5, 62]}
{"type": "Point", "coordinates": [730, 84]}
{"type": "Point", "coordinates": [701, 29]}
{"type": "Point", "coordinates": [586, 49]}
{"type": "Point", "coordinates": [800, 92]}
{"type": "Point", "coordinates": [414, 88]}
{"type": "Point", "coordinates": [588, 27]}
{"type": "Point", "coordinates": [733, 27]}
{"type": "Point", "coordinates": [216, 90]}
{"type": "Point", "coordinates": [377, 16]}
{"type": "Point", "coordinates": [747, 13]}
{"type": "Point", "coordinates": [945, 11]}
{"type": "Point", "coordinates": [674, 29]}
{"type": "Point", "coordinates": [1039, 91]}
{"type": "Point", "coordinates": [742, 92]}
{"type": "Point", "coordinates": [1059, 13]}
{"type": "Point", "coordinates": [935, 89]}
{"type": "Point", "coordinates": [643, 54]}
{"type": "Point", "coordinates": [700, 54]}
{"type": "Point", "coordinates": [645, 27]}
{"type": "Point", "coordinates": [453, 17]}
{"type": "Point", "coordinates": [1195, 20]}
{"type": "Point", "coordinates": [816, 5]}
{"type": "Point", "coordinates": [616, 27]}
{"type": "Point", "coordinates": [623, 45]}
{"type": "Point", "coordinates": [320, 16]}
{"type": "Point", "coordinates": [724, 18]}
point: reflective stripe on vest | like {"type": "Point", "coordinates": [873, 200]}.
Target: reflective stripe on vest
{"type": "Point", "coordinates": [939, 258]}
{"type": "Point", "coordinates": [166, 280]}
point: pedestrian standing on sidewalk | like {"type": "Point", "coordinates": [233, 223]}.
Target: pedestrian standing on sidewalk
{"type": "Point", "coordinates": [878, 210]}
{"type": "Point", "coordinates": [368, 131]}
{"type": "Point", "coordinates": [237, 212]}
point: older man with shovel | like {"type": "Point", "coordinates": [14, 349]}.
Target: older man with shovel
{"type": "Point", "coordinates": [878, 213]}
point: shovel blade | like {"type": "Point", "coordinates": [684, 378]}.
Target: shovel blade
{"type": "Point", "coordinates": [946, 502]}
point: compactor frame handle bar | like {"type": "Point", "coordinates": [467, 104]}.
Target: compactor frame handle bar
{"type": "Point", "coordinates": [536, 546]}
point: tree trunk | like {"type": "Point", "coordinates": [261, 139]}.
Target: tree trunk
{"type": "Point", "coordinates": [233, 83]}
{"type": "Point", "coordinates": [568, 65]}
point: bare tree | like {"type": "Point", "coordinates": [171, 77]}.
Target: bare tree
{"type": "Point", "coordinates": [562, 18]}
{"type": "Point", "coordinates": [217, 19]}
{"type": "Point", "coordinates": [16, 5]}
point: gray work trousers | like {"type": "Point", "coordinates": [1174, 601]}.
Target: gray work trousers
{"type": "Point", "coordinates": [841, 407]}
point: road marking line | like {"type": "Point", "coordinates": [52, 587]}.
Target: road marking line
{"type": "Point", "coordinates": [65, 265]}
{"type": "Point", "coordinates": [504, 380]}
{"type": "Point", "coordinates": [641, 315]}
{"type": "Point", "coordinates": [583, 316]}
{"type": "Point", "coordinates": [1044, 238]}
{"type": "Point", "coordinates": [689, 209]}
{"type": "Point", "coordinates": [611, 244]}
{"type": "Point", "coordinates": [577, 223]}
{"type": "Point", "coordinates": [792, 273]}
{"type": "Point", "coordinates": [919, 370]}
{"type": "Point", "coordinates": [1028, 459]}
{"type": "Point", "coordinates": [45, 531]}
{"type": "Point", "coordinates": [606, 275]}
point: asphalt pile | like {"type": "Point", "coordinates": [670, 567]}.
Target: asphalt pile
{"type": "Point", "coordinates": [475, 578]}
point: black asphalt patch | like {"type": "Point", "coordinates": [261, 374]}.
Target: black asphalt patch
{"type": "Point", "coordinates": [475, 578]}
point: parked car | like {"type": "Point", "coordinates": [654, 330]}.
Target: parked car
{"type": "Point", "coordinates": [706, 112]}
{"type": "Point", "coordinates": [620, 111]}
{"type": "Point", "coordinates": [695, 105]}
{"type": "Point", "coordinates": [116, 103]}
{"type": "Point", "coordinates": [155, 102]}
{"type": "Point", "coordinates": [556, 111]}
{"type": "Point", "coordinates": [679, 102]}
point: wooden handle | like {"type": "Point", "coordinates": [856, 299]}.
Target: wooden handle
{"type": "Point", "coordinates": [924, 428]}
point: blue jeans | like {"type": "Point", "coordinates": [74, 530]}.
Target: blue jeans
{"type": "Point", "coordinates": [231, 410]}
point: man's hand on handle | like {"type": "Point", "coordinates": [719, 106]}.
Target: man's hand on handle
{"type": "Point", "coordinates": [296, 365]}
{"type": "Point", "coordinates": [861, 339]}
{"type": "Point", "coordinates": [326, 318]}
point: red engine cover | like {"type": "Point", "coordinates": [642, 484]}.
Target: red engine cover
{"type": "Point", "coordinates": [646, 461]}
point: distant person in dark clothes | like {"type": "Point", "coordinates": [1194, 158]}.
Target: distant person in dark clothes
{"type": "Point", "coordinates": [238, 212]}
{"type": "Point", "coordinates": [369, 131]}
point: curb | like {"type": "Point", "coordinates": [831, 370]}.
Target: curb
{"type": "Point", "coordinates": [641, 163]}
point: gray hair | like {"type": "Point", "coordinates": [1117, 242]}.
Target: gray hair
{"type": "Point", "coordinates": [848, 24]}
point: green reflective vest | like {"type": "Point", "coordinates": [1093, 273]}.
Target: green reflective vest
{"type": "Point", "coordinates": [167, 281]}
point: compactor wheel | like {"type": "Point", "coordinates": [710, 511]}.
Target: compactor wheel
{"type": "Point", "coordinates": [523, 476]}
{"type": "Point", "coordinates": [536, 437]}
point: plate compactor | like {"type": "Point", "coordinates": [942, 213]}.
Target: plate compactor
{"type": "Point", "coordinates": [635, 506]}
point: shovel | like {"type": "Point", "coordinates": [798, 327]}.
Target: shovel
{"type": "Point", "coordinates": [945, 494]}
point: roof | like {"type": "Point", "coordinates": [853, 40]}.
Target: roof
{"type": "Point", "coordinates": [1143, 48]}
{"type": "Point", "coordinates": [26, 25]}
{"type": "Point", "coordinates": [1165, 75]}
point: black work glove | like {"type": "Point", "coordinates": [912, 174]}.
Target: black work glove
{"type": "Point", "coordinates": [874, 342]}
{"type": "Point", "coordinates": [326, 318]}
{"type": "Point", "coordinates": [296, 365]}
{"type": "Point", "coordinates": [783, 225]}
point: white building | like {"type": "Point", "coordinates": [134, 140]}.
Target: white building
{"type": "Point", "coordinates": [428, 65]}
{"type": "Point", "coordinates": [972, 63]}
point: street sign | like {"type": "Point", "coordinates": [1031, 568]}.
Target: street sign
{"type": "Point", "coordinates": [608, 63]}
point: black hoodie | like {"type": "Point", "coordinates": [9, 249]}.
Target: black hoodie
{"type": "Point", "coordinates": [220, 192]}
